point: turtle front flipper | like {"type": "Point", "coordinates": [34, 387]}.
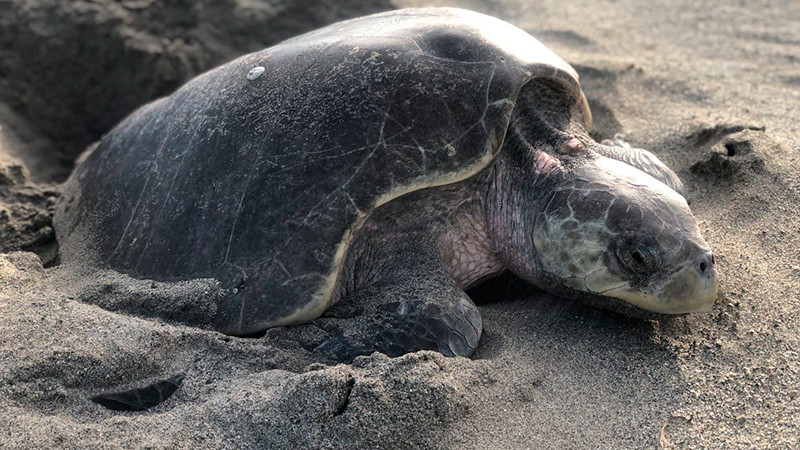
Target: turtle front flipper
{"type": "Point", "coordinates": [642, 160]}
{"type": "Point", "coordinates": [412, 310]}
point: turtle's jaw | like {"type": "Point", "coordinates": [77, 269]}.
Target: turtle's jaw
{"type": "Point", "coordinates": [688, 290]}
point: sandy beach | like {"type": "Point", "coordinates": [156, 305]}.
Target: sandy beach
{"type": "Point", "coordinates": [712, 88]}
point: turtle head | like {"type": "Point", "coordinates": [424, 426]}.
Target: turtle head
{"type": "Point", "coordinates": [614, 236]}
{"type": "Point", "coordinates": [612, 231]}
{"type": "Point", "coordinates": [609, 232]}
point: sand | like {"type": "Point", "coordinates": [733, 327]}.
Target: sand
{"type": "Point", "coordinates": [712, 88]}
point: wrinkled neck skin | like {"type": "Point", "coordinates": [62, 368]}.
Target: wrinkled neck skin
{"type": "Point", "coordinates": [518, 189]}
{"type": "Point", "coordinates": [492, 230]}
{"type": "Point", "coordinates": [525, 172]}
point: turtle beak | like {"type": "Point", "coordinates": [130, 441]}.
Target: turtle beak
{"type": "Point", "coordinates": [694, 288]}
{"type": "Point", "coordinates": [691, 289]}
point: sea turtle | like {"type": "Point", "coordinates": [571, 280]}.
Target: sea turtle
{"type": "Point", "coordinates": [385, 164]}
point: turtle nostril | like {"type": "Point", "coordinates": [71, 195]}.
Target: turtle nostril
{"type": "Point", "coordinates": [706, 264]}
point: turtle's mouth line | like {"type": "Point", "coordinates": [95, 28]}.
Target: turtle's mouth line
{"type": "Point", "coordinates": [608, 303]}
{"type": "Point", "coordinates": [682, 292]}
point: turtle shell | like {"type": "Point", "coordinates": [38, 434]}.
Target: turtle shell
{"type": "Point", "coordinates": [255, 173]}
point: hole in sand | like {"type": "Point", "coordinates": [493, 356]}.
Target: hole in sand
{"type": "Point", "coordinates": [505, 286]}
{"type": "Point", "coordinates": [254, 335]}
{"type": "Point", "coordinates": [738, 148]}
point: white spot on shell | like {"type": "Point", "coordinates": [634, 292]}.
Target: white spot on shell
{"type": "Point", "coordinates": [255, 72]}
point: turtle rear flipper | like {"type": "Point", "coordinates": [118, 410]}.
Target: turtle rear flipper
{"type": "Point", "coordinates": [141, 398]}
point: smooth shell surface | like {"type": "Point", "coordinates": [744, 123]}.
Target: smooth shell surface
{"type": "Point", "coordinates": [257, 179]}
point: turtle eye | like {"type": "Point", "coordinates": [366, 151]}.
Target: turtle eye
{"type": "Point", "coordinates": [640, 256]}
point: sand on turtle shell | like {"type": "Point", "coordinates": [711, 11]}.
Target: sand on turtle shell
{"type": "Point", "coordinates": [713, 89]}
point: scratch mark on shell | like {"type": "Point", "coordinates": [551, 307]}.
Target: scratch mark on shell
{"type": "Point", "coordinates": [239, 206]}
